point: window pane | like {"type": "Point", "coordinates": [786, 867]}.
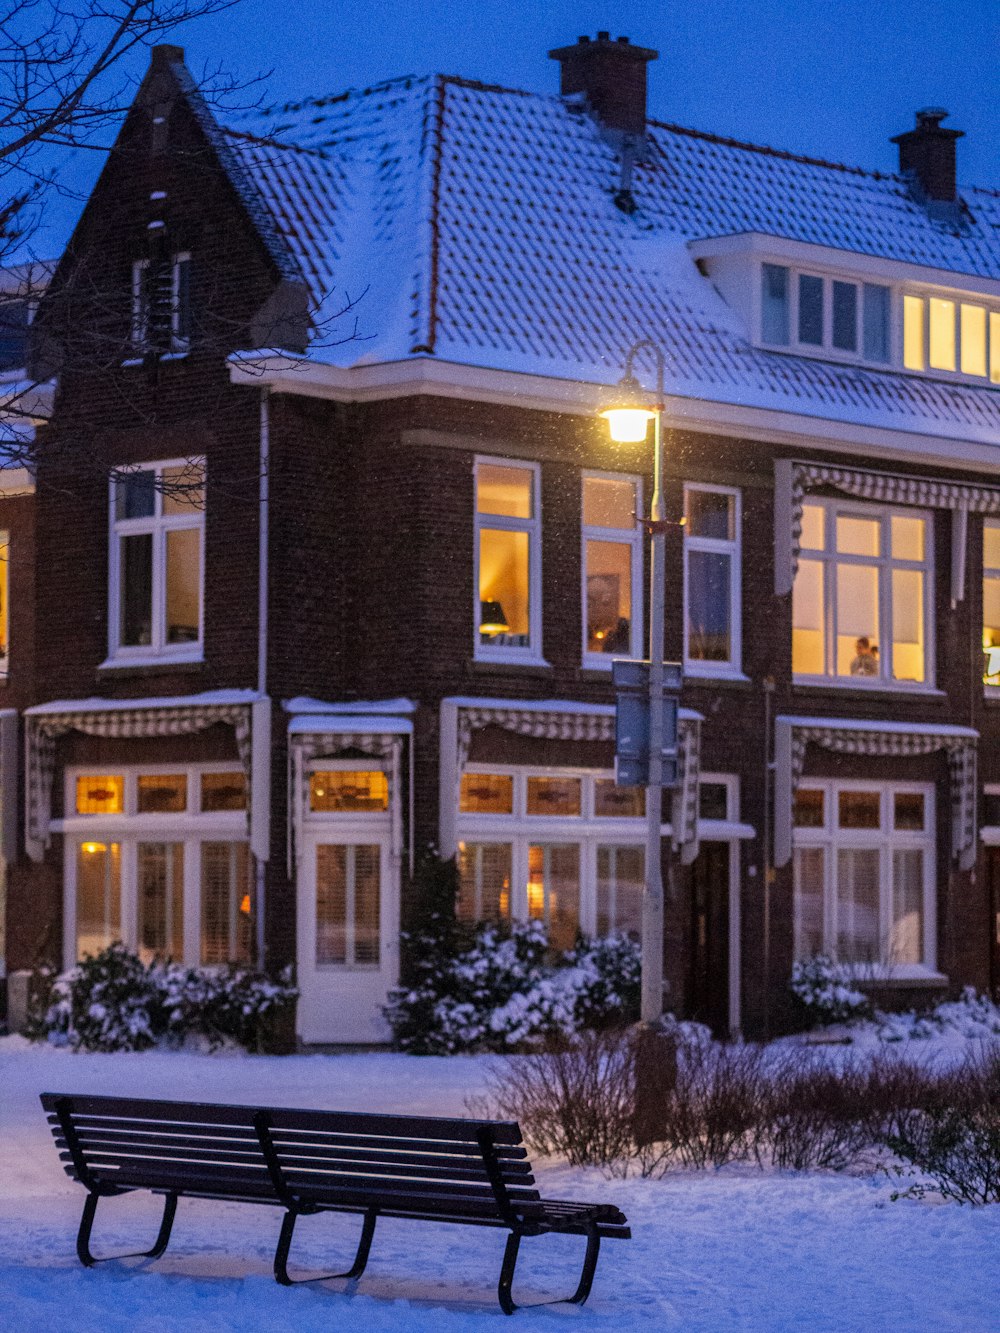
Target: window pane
{"type": "Point", "coordinates": [973, 326]}
{"type": "Point", "coordinates": [942, 333]}
{"type": "Point", "coordinates": [226, 903]}
{"type": "Point", "coordinates": [182, 300]}
{"type": "Point", "coordinates": [486, 794]}
{"type": "Point", "coordinates": [813, 527]}
{"type": "Point", "coordinates": [554, 892]}
{"type": "Point", "coordinates": [160, 900]}
{"type": "Point", "coordinates": [100, 794]}
{"type": "Point", "coordinates": [135, 495]}
{"type": "Point", "coordinates": [331, 903]}
{"type": "Point", "coordinates": [808, 901]}
{"type": "Point", "coordinates": [913, 332]}
{"type": "Point", "coordinates": [907, 538]}
{"type": "Point", "coordinates": [858, 809]}
{"type": "Point", "coordinates": [610, 800]}
{"type": "Point", "coordinates": [137, 590]}
{"type": "Point", "coordinates": [908, 624]}
{"type": "Point", "coordinates": [98, 897]}
{"type": "Point", "coordinates": [991, 545]}
{"type": "Point", "coordinates": [553, 796]}
{"type": "Point", "coordinates": [808, 638]}
{"type": "Point", "coordinates": [484, 870]}
{"type": "Point", "coordinates": [857, 621]}
{"type": "Point", "coordinates": [367, 948]}
{"type": "Point", "coordinates": [857, 901]}
{"type": "Point", "coordinates": [223, 791]}
{"type": "Point", "coordinates": [908, 811]}
{"type": "Point", "coordinates": [504, 490]}
{"type": "Point", "coordinates": [183, 488]}
{"type": "Point", "coordinates": [620, 883]}
{"type": "Point", "coordinates": [608, 503]}
{"type": "Point", "coordinates": [907, 938]}
{"type": "Point", "coordinates": [503, 588]}
{"type": "Point", "coordinates": [876, 322]}
{"type": "Point", "coordinates": [991, 625]}
{"type": "Point", "coordinates": [774, 304]}
{"type": "Point", "coordinates": [845, 316]}
{"type": "Point", "coordinates": [991, 809]}
{"type": "Point", "coordinates": [807, 811]}
{"type": "Point", "coordinates": [609, 597]}
{"type": "Point", "coordinates": [858, 536]}
{"type": "Point", "coordinates": [709, 629]}
{"type": "Point", "coordinates": [713, 800]}
{"type": "Point", "coordinates": [348, 790]}
{"type": "Point", "coordinates": [161, 793]}
{"type": "Point", "coordinates": [810, 309]}
{"type": "Point", "coordinates": [710, 514]}
{"type": "Point", "coordinates": [183, 585]}
{"type": "Point", "coordinates": [994, 347]}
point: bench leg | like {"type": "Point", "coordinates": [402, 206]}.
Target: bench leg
{"type": "Point", "coordinates": [285, 1245]}
{"type": "Point", "coordinates": [87, 1222]}
{"type": "Point", "coordinates": [507, 1303]}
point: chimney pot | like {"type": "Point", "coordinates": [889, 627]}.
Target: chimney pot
{"type": "Point", "coordinates": [612, 76]}
{"type": "Point", "coordinates": [927, 156]}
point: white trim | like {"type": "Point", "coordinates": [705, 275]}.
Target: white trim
{"type": "Point", "coordinates": [630, 537]}
{"type": "Point", "coordinates": [207, 699]}
{"type": "Point", "coordinates": [732, 548]}
{"type": "Point", "coordinates": [305, 704]}
{"type": "Point", "coordinates": [339, 724]}
{"type": "Point", "coordinates": [529, 654]}
{"type": "Point", "coordinates": [888, 728]}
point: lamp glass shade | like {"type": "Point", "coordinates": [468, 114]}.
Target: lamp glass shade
{"type": "Point", "coordinates": [627, 425]}
{"type": "Point", "coordinates": [492, 619]}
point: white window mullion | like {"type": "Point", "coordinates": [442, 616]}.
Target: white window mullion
{"type": "Point", "coordinates": [129, 876]}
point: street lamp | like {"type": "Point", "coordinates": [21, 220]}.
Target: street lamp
{"type": "Point", "coordinates": [628, 415]}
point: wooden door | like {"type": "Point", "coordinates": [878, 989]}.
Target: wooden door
{"type": "Point", "coordinates": [708, 971]}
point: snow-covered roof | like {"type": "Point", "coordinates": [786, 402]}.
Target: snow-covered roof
{"type": "Point", "coordinates": [478, 224]}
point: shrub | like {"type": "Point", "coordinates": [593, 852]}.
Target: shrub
{"type": "Point", "coordinates": [819, 986]}
{"type": "Point", "coordinates": [114, 1002]}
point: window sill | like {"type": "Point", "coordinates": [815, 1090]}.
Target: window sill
{"type": "Point", "coordinates": [151, 666]}
{"type": "Point", "coordinates": [855, 686]}
{"type": "Point", "coordinates": [481, 666]}
{"type": "Point", "coordinates": [510, 659]}
{"type": "Point", "coordinates": [702, 677]}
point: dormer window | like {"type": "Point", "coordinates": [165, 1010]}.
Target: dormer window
{"type": "Point", "coordinates": [815, 312]}
{"type": "Point", "coordinates": [161, 310]}
{"type": "Point", "coordinates": [961, 337]}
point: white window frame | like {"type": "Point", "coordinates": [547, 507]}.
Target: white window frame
{"type": "Point", "coordinates": [531, 653]}
{"type": "Point", "coordinates": [885, 839]}
{"type": "Point", "coordinates": [633, 538]}
{"type": "Point", "coordinates": [128, 829]}
{"type": "Point", "coordinates": [989, 572]}
{"type": "Point", "coordinates": [140, 333]}
{"type": "Point", "coordinates": [825, 349]}
{"type": "Point", "coordinates": [158, 525]}
{"type": "Point", "coordinates": [731, 669]}
{"type": "Point", "coordinates": [829, 557]}
{"type": "Point", "coordinates": [924, 294]}
{"type": "Point", "coordinates": [990, 833]}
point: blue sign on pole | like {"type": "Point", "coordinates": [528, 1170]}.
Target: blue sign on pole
{"type": "Point", "coordinates": [631, 680]}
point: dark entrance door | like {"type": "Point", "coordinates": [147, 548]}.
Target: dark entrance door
{"type": "Point", "coordinates": [708, 974]}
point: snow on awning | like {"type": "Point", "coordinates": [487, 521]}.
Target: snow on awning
{"type": "Point", "coordinates": [304, 704]}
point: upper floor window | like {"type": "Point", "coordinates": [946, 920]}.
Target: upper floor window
{"type": "Point", "coordinates": [711, 579]}
{"type": "Point", "coordinates": [813, 312]}
{"type": "Point", "coordinates": [161, 308]}
{"type": "Point", "coordinates": [951, 335]}
{"type": "Point", "coordinates": [991, 598]}
{"type": "Point", "coordinates": [156, 561]}
{"type": "Point", "coordinates": [508, 561]}
{"type": "Point", "coordinates": [861, 606]}
{"type": "Point", "coordinates": [612, 569]}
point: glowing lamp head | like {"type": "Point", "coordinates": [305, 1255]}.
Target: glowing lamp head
{"type": "Point", "coordinates": [628, 413]}
{"type": "Point", "coordinates": [492, 619]}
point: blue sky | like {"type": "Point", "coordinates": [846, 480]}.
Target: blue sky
{"type": "Point", "coordinates": [832, 78]}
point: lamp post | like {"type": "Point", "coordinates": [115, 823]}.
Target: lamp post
{"type": "Point", "coordinates": [628, 418]}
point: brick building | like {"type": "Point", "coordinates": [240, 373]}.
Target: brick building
{"type": "Point", "coordinates": [329, 555]}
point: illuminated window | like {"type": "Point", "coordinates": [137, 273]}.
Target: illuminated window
{"type": "Point", "coordinates": [960, 337]}
{"type": "Point", "coordinates": [973, 334]}
{"type": "Point", "coordinates": [155, 596]}
{"type": "Point", "coordinates": [487, 793]}
{"type": "Point", "coordinates": [161, 307]}
{"type": "Point", "coordinates": [160, 900]}
{"type": "Point", "coordinates": [614, 802]}
{"type": "Point", "coordinates": [861, 599]}
{"type": "Point", "coordinates": [941, 333]}
{"type": "Point", "coordinates": [161, 794]}
{"type": "Point", "coordinates": [554, 891]}
{"type": "Point", "coordinates": [223, 791]}
{"type": "Point", "coordinates": [508, 623]}
{"type": "Point", "coordinates": [484, 876]}
{"type": "Point", "coordinates": [612, 569]}
{"type": "Point", "coordinates": [711, 579]}
{"type": "Point", "coordinates": [913, 333]}
{"type": "Point", "coordinates": [994, 347]}
{"type": "Point", "coordinates": [620, 882]}
{"type": "Point", "coordinates": [864, 873]}
{"type": "Point", "coordinates": [554, 796]}
{"type": "Point", "coordinates": [226, 903]}
{"type": "Point", "coordinates": [991, 598]}
{"type": "Point", "coordinates": [100, 794]}
{"type": "Point", "coordinates": [348, 895]}
{"type": "Point", "coordinates": [98, 897]}
{"type": "Point", "coordinates": [344, 791]}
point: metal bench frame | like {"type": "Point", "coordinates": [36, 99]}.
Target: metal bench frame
{"type": "Point", "coordinates": [490, 1183]}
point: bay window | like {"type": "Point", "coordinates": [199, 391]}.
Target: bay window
{"type": "Point", "coordinates": [508, 561]}
{"type": "Point", "coordinates": [712, 583]}
{"type": "Point", "coordinates": [156, 561]}
{"type": "Point", "coordinates": [991, 599]}
{"type": "Point", "coordinates": [864, 874]}
{"type": "Point", "coordinates": [612, 569]}
{"type": "Point", "coordinates": [861, 608]}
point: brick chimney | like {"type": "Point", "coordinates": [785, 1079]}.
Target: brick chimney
{"type": "Point", "coordinates": [612, 75]}
{"type": "Point", "coordinates": [927, 156]}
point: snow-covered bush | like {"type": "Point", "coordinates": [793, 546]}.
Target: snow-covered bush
{"type": "Point", "coordinates": [971, 1016]}
{"type": "Point", "coordinates": [114, 1002]}
{"type": "Point", "coordinates": [505, 990]}
{"type": "Point", "coordinates": [819, 986]}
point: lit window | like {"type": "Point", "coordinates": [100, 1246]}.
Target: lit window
{"type": "Point", "coordinates": [484, 876]}
{"type": "Point", "coordinates": [346, 791]}
{"type": "Point", "coordinates": [941, 331]}
{"type": "Point", "coordinates": [913, 333]}
{"type": "Point", "coordinates": [553, 796]}
{"type": "Point", "coordinates": [620, 883]}
{"type": "Point", "coordinates": [161, 306]}
{"type": "Point", "coordinates": [864, 880]}
{"type": "Point", "coordinates": [160, 900]}
{"type": "Point", "coordinates": [161, 794]}
{"type": "Point", "coordinates": [98, 897]}
{"type": "Point", "coordinates": [994, 347]}
{"type": "Point", "coordinates": [860, 603]}
{"type": "Point", "coordinates": [223, 791]}
{"type": "Point", "coordinates": [348, 895]}
{"type": "Point", "coordinates": [226, 903]}
{"type": "Point", "coordinates": [157, 534]}
{"type": "Point", "coordinates": [991, 597]}
{"type": "Point", "coordinates": [487, 794]}
{"type": "Point", "coordinates": [612, 569]}
{"type": "Point", "coordinates": [958, 337]}
{"type": "Point", "coordinates": [973, 335]}
{"type": "Point", "coordinates": [614, 802]}
{"type": "Point", "coordinates": [711, 579]}
{"type": "Point", "coordinates": [554, 891]}
{"type": "Point", "coordinates": [100, 794]}
{"type": "Point", "coordinates": [508, 623]}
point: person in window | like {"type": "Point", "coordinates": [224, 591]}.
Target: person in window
{"type": "Point", "coordinates": [619, 640]}
{"type": "Point", "coordinates": [865, 661]}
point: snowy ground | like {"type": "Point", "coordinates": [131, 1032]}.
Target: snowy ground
{"type": "Point", "coordinates": [732, 1250]}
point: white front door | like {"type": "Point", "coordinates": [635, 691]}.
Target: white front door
{"type": "Point", "coordinates": [348, 936]}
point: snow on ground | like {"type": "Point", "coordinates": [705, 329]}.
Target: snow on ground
{"type": "Point", "coordinates": [713, 1252]}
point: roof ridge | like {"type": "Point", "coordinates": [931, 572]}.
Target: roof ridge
{"type": "Point", "coordinates": [269, 141]}
{"type": "Point", "coordinates": [784, 154]}
{"type": "Point", "coordinates": [332, 99]}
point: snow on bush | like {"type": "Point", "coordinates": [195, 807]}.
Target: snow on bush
{"type": "Point", "coordinates": [114, 1002]}
{"type": "Point", "coordinates": [971, 1016]}
{"type": "Point", "coordinates": [506, 990]}
{"type": "Point", "coordinates": [818, 983]}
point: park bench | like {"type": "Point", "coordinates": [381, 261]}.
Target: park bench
{"type": "Point", "coordinates": [471, 1172]}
